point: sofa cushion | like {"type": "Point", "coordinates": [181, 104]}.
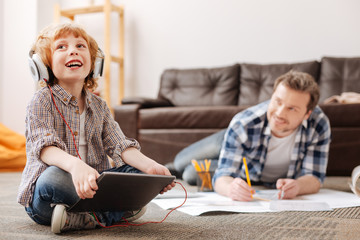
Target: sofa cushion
{"type": "Point", "coordinates": [339, 75]}
{"type": "Point", "coordinates": [200, 87]}
{"type": "Point", "coordinates": [257, 81]}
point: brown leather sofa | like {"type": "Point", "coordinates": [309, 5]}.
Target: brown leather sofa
{"type": "Point", "coordinates": [194, 103]}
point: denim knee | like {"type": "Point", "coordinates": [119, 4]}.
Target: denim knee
{"type": "Point", "coordinates": [206, 148]}
{"type": "Point", "coordinates": [57, 184]}
{"type": "Point", "coordinates": [53, 186]}
{"type": "Point", "coordinates": [124, 169]}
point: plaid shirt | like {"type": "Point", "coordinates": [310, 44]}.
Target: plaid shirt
{"type": "Point", "coordinates": [45, 127]}
{"type": "Point", "coordinates": [248, 136]}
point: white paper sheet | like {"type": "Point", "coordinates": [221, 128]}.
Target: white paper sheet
{"type": "Point", "coordinates": [208, 202]}
{"type": "Point", "coordinates": [299, 205]}
{"type": "Point", "coordinates": [176, 193]}
{"type": "Point", "coordinates": [325, 200]}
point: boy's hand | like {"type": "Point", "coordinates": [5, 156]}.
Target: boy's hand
{"type": "Point", "coordinates": [84, 179]}
{"type": "Point", "coordinates": [135, 158]}
{"type": "Point", "coordinates": [159, 169]}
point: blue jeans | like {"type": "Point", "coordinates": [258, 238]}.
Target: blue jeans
{"type": "Point", "coordinates": [207, 148]}
{"type": "Point", "coordinates": [55, 186]}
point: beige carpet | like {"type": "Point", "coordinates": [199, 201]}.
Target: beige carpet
{"type": "Point", "coordinates": [338, 224]}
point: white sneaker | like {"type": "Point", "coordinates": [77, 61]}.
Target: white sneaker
{"type": "Point", "coordinates": [62, 221]}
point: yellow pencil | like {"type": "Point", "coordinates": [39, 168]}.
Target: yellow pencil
{"type": "Point", "coordinates": [196, 165]}
{"type": "Point", "coordinates": [261, 199]}
{"type": "Point", "coordinates": [207, 165]}
{"type": "Point", "coordinates": [202, 167]}
{"type": "Point", "coordinates": [247, 172]}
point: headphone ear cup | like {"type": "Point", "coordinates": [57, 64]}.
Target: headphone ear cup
{"type": "Point", "coordinates": [98, 65]}
{"type": "Point", "coordinates": [33, 69]}
{"type": "Point", "coordinates": [37, 68]}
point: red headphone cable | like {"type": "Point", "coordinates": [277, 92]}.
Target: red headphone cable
{"type": "Point", "coordinates": [127, 224]}
{"type": "Point", "coordinates": [72, 134]}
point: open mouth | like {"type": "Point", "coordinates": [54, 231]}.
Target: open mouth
{"type": "Point", "coordinates": [73, 64]}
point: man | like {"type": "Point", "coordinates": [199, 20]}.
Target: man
{"type": "Point", "coordinates": [285, 141]}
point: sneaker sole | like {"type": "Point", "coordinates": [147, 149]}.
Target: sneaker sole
{"type": "Point", "coordinates": [58, 218]}
{"type": "Point", "coordinates": [137, 215]}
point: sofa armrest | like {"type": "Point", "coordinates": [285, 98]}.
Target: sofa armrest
{"type": "Point", "coordinates": [127, 117]}
{"type": "Point", "coordinates": [342, 115]}
{"type": "Point", "coordinates": [147, 102]}
{"type": "Point", "coordinates": [345, 138]}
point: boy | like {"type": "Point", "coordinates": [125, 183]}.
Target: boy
{"type": "Point", "coordinates": [70, 134]}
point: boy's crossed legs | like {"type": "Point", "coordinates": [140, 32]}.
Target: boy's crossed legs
{"type": "Point", "coordinates": [55, 187]}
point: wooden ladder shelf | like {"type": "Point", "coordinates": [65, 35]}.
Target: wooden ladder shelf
{"type": "Point", "coordinates": [107, 8]}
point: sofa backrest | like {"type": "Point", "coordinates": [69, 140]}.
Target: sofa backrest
{"type": "Point", "coordinates": [257, 81]}
{"type": "Point", "coordinates": [339, 75]}
{"type": "Point", "coordinates": [248, 84]}
{"type": "Point", "coordinates": [200, 87]}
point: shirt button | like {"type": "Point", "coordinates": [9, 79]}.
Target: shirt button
{"type": "Point", "coordinates": [72, 98]}
{"type": "Point", "coordinates": [75, 133]}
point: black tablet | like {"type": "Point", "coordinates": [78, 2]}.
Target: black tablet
{"type": "Point", "coordinates": [123, 192]}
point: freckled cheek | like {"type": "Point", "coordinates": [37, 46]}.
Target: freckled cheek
{"type": "Point", "coordinates": [88, 67]}
{"type": "Point", "coordinates": [57, 61]}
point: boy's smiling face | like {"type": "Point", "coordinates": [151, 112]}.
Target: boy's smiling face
{"type": "Point", "coordinates": [71, 60]}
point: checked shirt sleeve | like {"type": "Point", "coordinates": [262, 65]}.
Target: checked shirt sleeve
{"type": "Point", "coordinates": [232, 150]}
{"type": "Point", "coordinates": [318, 136]}
{"type": "Point", "coordinates": [115, 142]}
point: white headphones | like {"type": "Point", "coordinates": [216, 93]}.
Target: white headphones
{"type": "Point", "coordinates": [39, 71]}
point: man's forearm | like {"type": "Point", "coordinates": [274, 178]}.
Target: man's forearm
{"type": "Point", "coordinates": [222, 185]}
{"type": "Point", "coordinates": [308, 184]}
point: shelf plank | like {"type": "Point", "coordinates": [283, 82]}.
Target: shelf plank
{"type": "Point", "coordinates": [70, 13]}
{"type": "Point", "coordinates": [107, 9]}
{"type": "Point", "coordinates": [117, 59]}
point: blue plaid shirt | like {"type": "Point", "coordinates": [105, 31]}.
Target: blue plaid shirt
{"type": "Point", "coordinates": [248, 136]}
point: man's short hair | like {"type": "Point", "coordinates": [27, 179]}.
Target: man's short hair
{"type": "Point", "coordinates": [303, 82]}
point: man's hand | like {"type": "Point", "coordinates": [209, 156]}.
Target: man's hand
{"type": "Point", "coordinates": [240, 191]}
{"type": "Point", "coordinates": [234, 188]}
{"type": "Point", "coordinates": [291, 188]}
{"type": "Point", "coordinates": [84, 179]}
